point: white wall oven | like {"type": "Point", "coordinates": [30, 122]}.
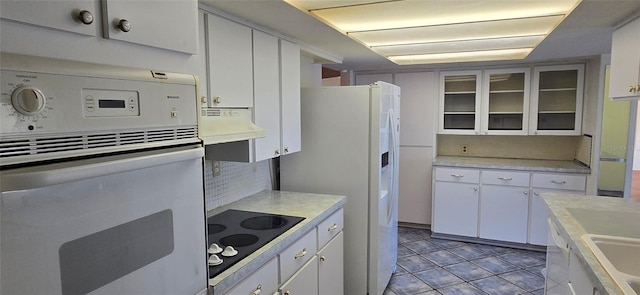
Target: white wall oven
{"type": "Point", "coordinates": [101, 178]}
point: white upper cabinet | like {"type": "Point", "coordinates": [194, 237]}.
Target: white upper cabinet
{"type": "Point", "coordinates": [171, 25]}
{"type": "Point", "coordinates": [79, 16]}
{"type": "Point", "coordinates": [505, 102]}
{"type": "Point", "coordinates": [624, 82]}
{"type": "Point", "coordinates": [290, 100]}
{"type": "Point", "coordinates": [460, 102]}
{"type": "Point", "coordinates": [230, 63]}
{"type": "Point", "coordinates": [511, 102]}
{"type": "Point", "coordinates": [556, 102]}
{"type": "Point", "coordinates": [266, 83]}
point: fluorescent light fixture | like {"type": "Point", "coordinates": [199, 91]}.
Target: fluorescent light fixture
{"type": "Point", "coordinates": [419, 31]}
{"type": "Point", "coordinates": [503, 54]}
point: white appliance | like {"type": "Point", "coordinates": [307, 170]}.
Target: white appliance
{"type": "Point", "coordinates": [101, 173]}
{"type": "Point", "coordinates": [350, 147]}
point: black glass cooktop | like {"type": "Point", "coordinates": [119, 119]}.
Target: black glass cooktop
{"type": "Point", "coordinates": [246, 231]}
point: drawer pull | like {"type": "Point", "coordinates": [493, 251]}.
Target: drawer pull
{"type": "Point", "coordinates": [333, 227]}
{"type": "Point", "coordinates": [558, 181]}
{"type": "Point", "coordinates": [457, 175]}
{"type": "Point", "coordinates": [505, 178]}
{"type": "Point", "coordinates": [258, 290]}
{"type": "Point", "coordinates": [301, 253]}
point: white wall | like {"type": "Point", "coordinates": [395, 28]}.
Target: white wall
{"type": "Point", "coordinates": [310, 73]}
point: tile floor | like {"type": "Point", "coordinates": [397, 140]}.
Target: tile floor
{"type": "Point", "coordinates": [429, 266]}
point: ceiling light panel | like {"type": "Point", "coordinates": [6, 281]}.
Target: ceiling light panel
{"type": "Point", "coordinates": [506, 54]}
{"type": "Point", "coordinates": [411, 13]}
{"type": "Point", "coordinates": [460, 46]}
{"type": "Point", "coordinates": [466, 31]}
{"type": "Point", "coordinates": [315, 4]}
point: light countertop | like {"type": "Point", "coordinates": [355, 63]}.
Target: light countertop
{"type": "Point", "coordinates": [580, 215]}
{"type": "Point", "coordinates": [313, 207]}
{"type": "Point", "coordinates": [515, 164]}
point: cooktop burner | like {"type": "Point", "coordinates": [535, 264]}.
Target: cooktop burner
{"type": "Point", "coordinates": [245, 231]}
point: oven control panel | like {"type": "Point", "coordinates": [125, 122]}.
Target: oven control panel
{"type": "Point", "coordinates": [32, 102]}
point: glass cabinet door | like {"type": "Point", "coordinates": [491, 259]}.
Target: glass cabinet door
{"type": "Point", "coordinates": [459, 102]}
{"type": "Point", "coordinates": [506, 101]}
{"type": "Point", "coordinates": [556, 107]}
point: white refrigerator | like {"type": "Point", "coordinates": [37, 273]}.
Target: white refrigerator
{"type": "Point", "coordinates": [350, 144]}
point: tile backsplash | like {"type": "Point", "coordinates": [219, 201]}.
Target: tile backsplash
{"type": "Point", "coordinates": [236, 181]}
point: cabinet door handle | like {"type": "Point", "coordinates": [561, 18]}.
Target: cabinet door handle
{"type": "Point", "coordinates": [86, 17]}
{"type": "Point", "coordinates": [301, 253]}
{"type": "Point", "coordinates": [457, 175]}
{"type": "Point", "coordinates": [257, 290]}
{"type": "Point", "coordinates": [558, 181]}
{"type": "Point", "coordinates": [505, 178]}
{"type": "Point", "coordinates": [333, 227]}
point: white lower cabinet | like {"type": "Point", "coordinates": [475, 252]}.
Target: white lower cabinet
{"type": "Point", "coordinates": [455, 208]}
{"type": "Point", "coordinates": [263, 280]}
{"type": "Point", "coordinates": [502, 205]}
{"type": "Point", "coordinates": [331, 267]}
{"type": "Point", "coordinates": [303, 282]}
{"type": "Point", "coordinates": [504, 213]}
{"type": "Point", "coordinates": [579, 282]}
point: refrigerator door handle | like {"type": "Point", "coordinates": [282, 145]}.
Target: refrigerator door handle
{"type": "Point", "coordinates": [392, 195]}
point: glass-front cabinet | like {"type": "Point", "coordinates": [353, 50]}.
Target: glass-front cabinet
{"type": "Point", "coordinates": [505, 102]}
{"type": "Point", "coordinates": [556, 101]}
{"type": "Point", "coordinates": [460, 102]}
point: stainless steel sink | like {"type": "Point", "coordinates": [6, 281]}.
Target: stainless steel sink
{"type": "Point", "coordinates": [620, 257]}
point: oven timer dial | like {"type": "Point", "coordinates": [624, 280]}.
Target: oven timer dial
{"type": "Point", "coordinates": [28, 100]}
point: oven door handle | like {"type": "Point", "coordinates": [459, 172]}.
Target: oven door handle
{"type": "Point", "coordinates": [32, 177]}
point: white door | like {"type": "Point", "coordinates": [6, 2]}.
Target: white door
{"type": "Point", "coordinates": [455, 209]}
{"type": "Point", "coordinates": [504, 203]}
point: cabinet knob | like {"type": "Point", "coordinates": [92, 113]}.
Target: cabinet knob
{"type": "Point", "coordinates": [632, 88]}
{"type": "Point", "coordinates": [85, 17]}
{"type": "Point", "coordinates": [525, 192]}
{"type": "Point", "coordinates": [286, 149]}
{"type": "Point", "coordinates": [475, 188]}
{"type": "Point", "coordinates": [536, 193]}
{"type": "Point", "coordinates": [124, 25]}
{"type": "Point", "coordinates": [217, 100]}
{"type": "Point", "coordinates": [277, 152]}
{"type": "Point", "coordinates": [322, 258]}
{"type": "Point", "coordinates": [203, 100]}
{"type": "Point", "coordinates": [287, 292]}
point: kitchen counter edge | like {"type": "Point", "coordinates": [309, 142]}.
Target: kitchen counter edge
{"type": "Point", "coordinates": [562, 166]}
{"type": "Point", "coordinates": [313, 207]}
{"type": "Point", "coordinates": [559, 204]}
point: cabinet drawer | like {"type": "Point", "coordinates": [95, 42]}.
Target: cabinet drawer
{"type": "Point", "coordinates": [264, 279]}
{"type": "Point", "coordinates": [505, 177]}
{"type": "Point", "coordinates": [458, 175]}
{"type": "Point", "coordinates": [330, 227]}
{"type": "Point", "coordinates": [295, 256]}
{"type": "Point", "coordinates": [560, 181]}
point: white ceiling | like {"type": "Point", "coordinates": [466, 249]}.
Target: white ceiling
{"type": "Point", "coordinates": [585, 32]}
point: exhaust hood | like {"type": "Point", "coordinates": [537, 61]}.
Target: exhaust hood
{"type": "Point", "coordinates": [218, 125]}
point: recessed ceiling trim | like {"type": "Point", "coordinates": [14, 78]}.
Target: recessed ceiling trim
{"type": "Point", "coordinates": [490, 55]}
{"type": "Point", "coordinates": [460, 46]}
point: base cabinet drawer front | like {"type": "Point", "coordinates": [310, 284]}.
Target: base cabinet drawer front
{"type": "Point", "coordinates": [331, 267]}
{"type": "Point", "coordinates": [263, 280]}
{"type": "Point", "coordinates": [456, 209]}
{"type": "Point", "coordinates": [303, 282]}
{"type": "Point", "coordinates": [457, 175]}
{"type": "Point", "coordinates": [296, 255]}
{"type": "Point", "coordinates": [505, 177]}
{"type": "Point", "coordinates": [504, 213]}
{"type": "Point", "coordinates": [330, 227]}
{"type": "Point", "coordinates": [560, 181]}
